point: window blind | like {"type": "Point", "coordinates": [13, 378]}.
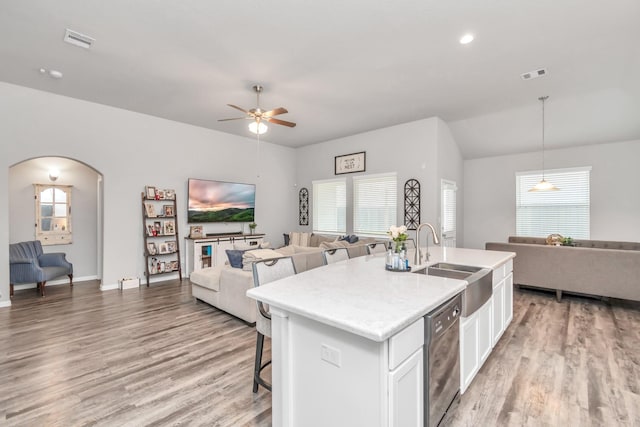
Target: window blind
{"type": "Point", "coordinates": [448, 201]}
{"type": "Point", "coordinates": [375, 199]}
{"type": "Point", "coordinates": [565, 212]}
{"type": "Point", "coordinates": [330, 206]}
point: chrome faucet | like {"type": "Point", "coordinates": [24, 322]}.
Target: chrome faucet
{"type": "Point", "coordinates": [436, 241]}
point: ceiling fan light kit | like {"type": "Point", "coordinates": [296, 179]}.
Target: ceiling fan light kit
{"type": "Point", "coordinates": [543, 185]}
{"type": "Point", "coordinates": [259, 116]}
{"type": "Point", "coordinates": [258, 128]}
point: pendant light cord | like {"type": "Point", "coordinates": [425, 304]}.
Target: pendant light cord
{"type": "Point", "coordinates": [543, 98]}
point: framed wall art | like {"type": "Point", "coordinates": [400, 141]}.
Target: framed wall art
{"type": "Point", "coordinates": [349, 163]}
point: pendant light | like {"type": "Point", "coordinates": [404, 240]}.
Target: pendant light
{"type": "Point", "coordinates": [543, 185]}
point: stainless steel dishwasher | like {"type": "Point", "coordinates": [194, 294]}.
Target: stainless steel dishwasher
{"type": "Point", "coordinates": [442, 361]}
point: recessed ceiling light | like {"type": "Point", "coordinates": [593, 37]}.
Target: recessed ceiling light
{"type": "Point", "coordinates": [466, 39]}
{"type": "Point", "coordinates": [55, 74]}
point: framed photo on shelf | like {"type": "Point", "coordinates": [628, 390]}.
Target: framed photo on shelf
{"type": "Point", "coordinates": [168, 210]}
{"type": "Point", "coordinates": [169, 194]}
{"type": "Point", "coordinates": [150, 192]}
{"type": "Point", "coordinates": [157, 226]}
{"type": "Point", "coordinates": [171, 246]}
{"type": "Point", "coordinates": [161, 266]}
{"type": "Point", "coordinates": [161, 194]}
{"type": "Point", "coordinates": [163, 248]}
{"type": "Point", "coordinates": [153, 267]}
{"type": "Point", "coordinates": [150, 230]}
{"type": "Point", "coordinates": [349, 163]}
{"type": "Point", "coordinates": [170, 227]}
{"type": "Point", "coordinates": [195, 232]}
{"type": "Point", "coordinates": [173, 265]}
{"type": "Point", "coordinates": [151, 248]}
{"type": "Point", "coordinates": [150, 210]}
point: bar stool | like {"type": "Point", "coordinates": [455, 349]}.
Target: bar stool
{"type": "Point", "coordinates": [266, 271]}
{"type": "Point", "coordinates": [331, 256]}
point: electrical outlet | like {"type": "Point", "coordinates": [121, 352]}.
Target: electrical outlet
{"type": "Point", "coordinates": [330, 354]}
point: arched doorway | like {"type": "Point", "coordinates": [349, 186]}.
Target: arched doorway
{"type": "Point", "coordinates": [85, 251]}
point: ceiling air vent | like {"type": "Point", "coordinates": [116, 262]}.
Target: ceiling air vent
{"type": "Point", "coordinates": [534, 74]}
{"type": "Point", "coordinates": [77, 39]}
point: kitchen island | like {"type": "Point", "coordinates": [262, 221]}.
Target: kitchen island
{"type": "Point", "coordinates": [347, 339]}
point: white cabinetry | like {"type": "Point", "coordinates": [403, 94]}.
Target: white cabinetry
{"type": "Point", "coordinates": [480, 332]}
{"type": "Point", "coordinates": [475, 343]}
{"type": "Point", "coordinates": [406, 392]}
{"type": "Point", "coordinates": [211, 251]}
{"type": "Point", "coordinates": [498, 311]}
{"type": "Point", "coordinates": [364, 382]}
{"type": "Point", "coordinates": [502, 300]}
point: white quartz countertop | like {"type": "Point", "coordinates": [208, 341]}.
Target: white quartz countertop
{"type": "Point", "coordinates": [361, 297]}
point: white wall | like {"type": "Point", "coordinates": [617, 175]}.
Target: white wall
{"type": "Point", "coordinates": [451, 167]}
{"type": "Point", "coordinates": [424, 150]}
{"type": "Point", "coordinates": [82, 252]}
{"type": "Point", "coordinates": [489, 200]}
{"type": "Point", "coordinates": [132, 150]}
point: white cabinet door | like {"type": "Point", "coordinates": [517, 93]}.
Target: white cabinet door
{"type": "Point", "coordinates": [485, 343]}
{"type": "Point", "coordinates": [469, 361]}
{"type": "Point", "coordinates": [498, 312]}
{"type": "Point", "coordinates": [406, 393]}
{"type": "Point", "coordinates": [508, 300]}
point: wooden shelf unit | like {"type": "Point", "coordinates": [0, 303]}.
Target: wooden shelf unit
{"type": "Point", "coordinates": [160, 236]}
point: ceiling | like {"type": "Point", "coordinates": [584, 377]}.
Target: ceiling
{"type": "Point", "coordinates": [345, 67]}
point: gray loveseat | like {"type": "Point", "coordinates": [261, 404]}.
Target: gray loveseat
{"type": "Point", "coordinates": [593, 267]}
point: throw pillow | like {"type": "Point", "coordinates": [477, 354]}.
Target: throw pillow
{"type": "Point", "coordinates": [299, 239]}
{"type": "Point", "coordinates": [235, 257]}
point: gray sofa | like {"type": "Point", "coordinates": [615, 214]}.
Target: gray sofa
{"type": "Point", "coordinates": [592, 267]}
{"type": "Point", "coordinates": [313, 240]}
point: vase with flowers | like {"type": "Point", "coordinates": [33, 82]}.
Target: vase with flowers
{"type": "Point", "coordinates": [397, 257]}
{"type": "Point", "coordinates": [399, 236]}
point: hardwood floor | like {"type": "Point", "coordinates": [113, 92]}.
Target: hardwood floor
{"type": "Point", "coordinates": [573, 363]}
{"type": "Point", "coordinates": [139, 357]}
{"type": "Point", "coordinates": [155, 357]}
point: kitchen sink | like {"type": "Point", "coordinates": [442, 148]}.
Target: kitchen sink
{"type": "Point", "coordinates": [478, 290]}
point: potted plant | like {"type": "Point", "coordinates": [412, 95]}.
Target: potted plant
{"type": "Point", "coordinates": [252, 227]}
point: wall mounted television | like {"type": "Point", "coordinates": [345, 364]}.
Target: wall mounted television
{"type": "Point", "coordinates": [219, 201]}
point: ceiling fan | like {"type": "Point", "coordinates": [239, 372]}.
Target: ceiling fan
{"type": "Point", "coordinates": [258, 115]}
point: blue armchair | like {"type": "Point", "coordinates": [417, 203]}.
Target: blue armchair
{"type": "Point", "coordinates": [28, 264]}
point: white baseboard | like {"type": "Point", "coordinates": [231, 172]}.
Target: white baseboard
{"type": "Point", "coordinates": [5, 304]}
{"type": "Point", "coordinates": [143, 282]}
{"type": "Point", "coordinates": [54, 282]}
{"type": "Point", "coordinates": [109, 287]}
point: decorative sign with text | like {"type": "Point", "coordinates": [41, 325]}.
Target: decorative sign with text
{"type": "Point", "coordinates": [349, 163]}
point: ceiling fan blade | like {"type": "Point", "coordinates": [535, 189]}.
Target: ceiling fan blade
{"type": "Point", "coordinates": [281, 122]}
{"type": "Point", "coordinates": [235, 118]}
{"type": "Point", "coordinates": [238, 108]}
{"type": "Point", "coordinates": [275, 112]}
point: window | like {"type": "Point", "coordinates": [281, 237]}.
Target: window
{"type": "Point", "coordinates": [374, 203]}
{"type": "Point", "coordinates": [565, 212]}
{"type": "Point", "coordinates": [53, 214]}
{"type": "Point", "coordinates": [330, 206]}
{"type": "Point", "coordinates": [448, 213]}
